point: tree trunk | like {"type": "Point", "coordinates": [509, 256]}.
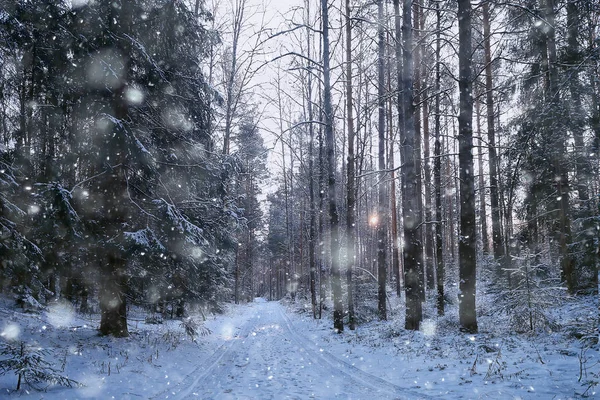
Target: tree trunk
{"type": "Point", "coordinates": [497, 237]}
{"type": "Point", "coordinates": [322, 174]}
{"type": "Point", "coordinates": [467, 243]}
{"type": "Point", "coordinates": [381, 224]}
{"type": "Point", "coordinates": [350, 170]}
{"type": "Point", "coordinates": [417, 120]}
{"type": "Point", "coordinates": [482, 203]}
{"type": "Point", "coordinates": [595, 122]}
{"type": "Point", "coordinates": [311, 168]}
{"type": "Point", "coordinates": [394, 210]}
{"type": "Point", "coordinates": [113, 289]}
{"type": "Point", "coordinates": [236, 284]}
{"type": "Point", "coordinates": [413, 248]}
{"type": "Point", "coordinates": [336, 284]}
{"type": "Point", "coordinates": [230, 99]}
{"type": "Point", "coordinates": [112, 296]}
{"type": "Point", "coordinates": [559, 148]}
{"type": "Point", "coordinates": [437, 171]}
{"type": "Point", "coordinates": [429, 268]}
{"type": "Point", "coordinates": [583, 165]}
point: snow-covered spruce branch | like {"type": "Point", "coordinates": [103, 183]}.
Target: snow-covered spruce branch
{"type": "Point", "coordinates": [30, 365]}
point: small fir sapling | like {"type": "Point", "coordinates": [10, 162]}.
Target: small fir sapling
{"type": "Point", "coordinates": [534, 291]}
{"type": "Point", "coordinates": [29, 364]}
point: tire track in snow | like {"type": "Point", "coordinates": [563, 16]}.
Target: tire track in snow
{"type": "Point", "coordinates": [349, 370]}
{"type": "Point", "coordinates": [216, 377]}
{"type": "Point", "coordinates": [186, 387]}
{"type": "Point", "coordinates": [294, 372]}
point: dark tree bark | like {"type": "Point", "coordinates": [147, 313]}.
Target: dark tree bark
{"type": "Point", "coordinates": [595, 125]}
{"type": "Point", "coordinates": [417, 120]}
{"type": "Point", "coordinates": [322, 176]}
{"type": "Point", "coordinates": [113, 189]}
{"type": "Point", "coordinates": [336, 284]}
{"type": "Point", "coordinates": [381, 225]}
{"type": "Point", "coordinates": [558, 143]}
{"type": "Point", "coordinates": [583, 167]}
{"type": "Point", "coordinates": [113, 288]}
{"type": "Point", "coordinates": [413, 248]}
{"type": "Point", "coordinates": [351, 174]}
{"type": "Point", "coordinates": [437, 170]}
{"type": "Point", "coordinates": [312, 265]}
{"type": "Point", "coordinates": [467, 242]}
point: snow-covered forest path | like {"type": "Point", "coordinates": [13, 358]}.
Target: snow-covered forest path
{"type": "Point", "coordinates": [267, 358]}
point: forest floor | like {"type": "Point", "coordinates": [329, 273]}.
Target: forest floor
{"type": "Point", "coordinates": [276, 350]}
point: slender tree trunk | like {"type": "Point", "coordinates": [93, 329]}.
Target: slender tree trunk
{"type": "Point", "coordinates": [595, 122]}
{"type": "Point", "coordinates": [322, 172]}
{"type": "Point", "coordinates": [413, 248]}
{"type": "Point", "coordinates": [467, 243]}
{"type": "Point", "coordinates": [437, 170]}
{"type": "Point", "coordinates": [230, 98]}
{"type": "Point", "coordinates": [429, 267]}
{"type": "Point", "coordinates": [292, 275]}
{"type": "Point", "coordinates": [350, 169]}
{"type": "Point", "coordinates": [482, 202]}
{"type": "Point", "coordinates": [449, 199]}
{"type": "Point", "coordinates": [313, 212]}
{"type": "Point", "coordinates": [395, 237]}
{"type": "Point", "coordinates": [394, 211]}
{"type": "Point", "coordinates": [497, 237]}
{"type": "Point", "coordinates": [236, 290]}
{"type": "Point", "coordinates": [336, 284]}
{"type": "Point", "coordinates": [381, 225]}
{"type": "Point", "coordinates": [583, 165]}
{"type": "Point", "coordinates": [287, 190]}
{"type": "Point", "coordinates": [417, 120]}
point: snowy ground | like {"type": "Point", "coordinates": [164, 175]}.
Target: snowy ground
{"type": "Point", "coordinates": [266, 350]}
{"type": "Point", "coordinates": [441, 362]}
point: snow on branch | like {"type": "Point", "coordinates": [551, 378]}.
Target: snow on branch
{"type": "Point", "coordinates": [145, 238]}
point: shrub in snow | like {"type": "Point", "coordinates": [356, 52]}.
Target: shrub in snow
{"type": "Point", "coordinates": [193, 328]}
{"type": "Point", "coordinates": [29, 364]}
{"type": "Point", "coordinates": [496, 367]}
{"type": "Point", "coordinates": [172, 339]}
